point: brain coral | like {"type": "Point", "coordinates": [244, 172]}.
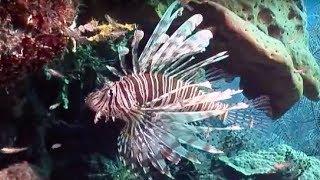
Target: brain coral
{"type": "Point", "coordinates": [268, 45]}
{"type": "Point", "coordinates": [31, 34]}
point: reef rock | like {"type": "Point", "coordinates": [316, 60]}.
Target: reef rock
{"type": "Point", "coordinates": [268, 46]}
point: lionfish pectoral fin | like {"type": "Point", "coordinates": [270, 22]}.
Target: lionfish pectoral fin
{"type": "Point", "coordinates": [178, 124]}
{"type": "Point", "coordinates": [215, 74]}
{"type": "Point", "coordinates": [189, 135]}
{"type": "Point", "coordinates": [147, 141]}
{"type": "Point", "coordinates": [212, 97]}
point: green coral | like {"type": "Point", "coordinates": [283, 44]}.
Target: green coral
{"type": "Point", "coordinates": [281, 159]}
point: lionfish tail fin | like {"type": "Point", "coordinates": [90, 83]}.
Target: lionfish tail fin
{"type": "Point", "coordinates": [253, 113]}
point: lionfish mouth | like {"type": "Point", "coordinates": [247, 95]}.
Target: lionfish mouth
{"type": "Point", "coordinates": [92, 101]}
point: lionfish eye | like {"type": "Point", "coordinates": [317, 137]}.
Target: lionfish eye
{"type": "Point", "coordinates": [110, 93]}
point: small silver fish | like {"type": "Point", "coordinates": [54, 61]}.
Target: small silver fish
{"type": "Point", "coordinates": [12, 150]}
{"type": "Point", "coordinates": [55, 73]}
{"type": "Point", "coordinates": [56, 145]}
{"type": "Point", "coordinates": [54, 106]}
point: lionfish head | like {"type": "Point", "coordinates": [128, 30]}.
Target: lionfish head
{"type": "Point", "coordinates": [98, 101]}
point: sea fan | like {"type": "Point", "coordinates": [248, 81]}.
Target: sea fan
{"type": "Point", "coordinates": [162, 101]}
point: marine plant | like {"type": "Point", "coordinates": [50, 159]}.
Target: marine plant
{"type": "Point", "coordinates": [164, 103]}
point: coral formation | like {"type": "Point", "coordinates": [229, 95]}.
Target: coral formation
{"type": "Point", "coordinates": [32, 34]}
{"type": "Point", "coordinates": [95, 32]}
{"type": "Point", "coordinates": [302, 118]}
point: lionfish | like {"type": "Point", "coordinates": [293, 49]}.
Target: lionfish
{"type": "Point", "coordinates": [163, 102]}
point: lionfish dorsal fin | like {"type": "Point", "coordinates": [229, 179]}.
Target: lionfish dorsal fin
{"type": "Point", "coordinates": [171, 47]}
{"type": "Point", "coordinates": [137, 36]}
{"type": "Point", "coordinates": [173, 55]}
{"type": "Point", "coordinates": [123, 51]}
{"type": "Point", "coordinates": [160, 29]}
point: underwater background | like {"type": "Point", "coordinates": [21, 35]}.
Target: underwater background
{"type": "Point", "coordinates": [55, 52]}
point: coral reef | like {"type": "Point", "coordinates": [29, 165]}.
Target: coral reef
{"type": "Point", "coordinates": [32, 34]}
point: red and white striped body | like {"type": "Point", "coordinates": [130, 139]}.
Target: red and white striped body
{"type": "Point", "coordinates": [131, 93]}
